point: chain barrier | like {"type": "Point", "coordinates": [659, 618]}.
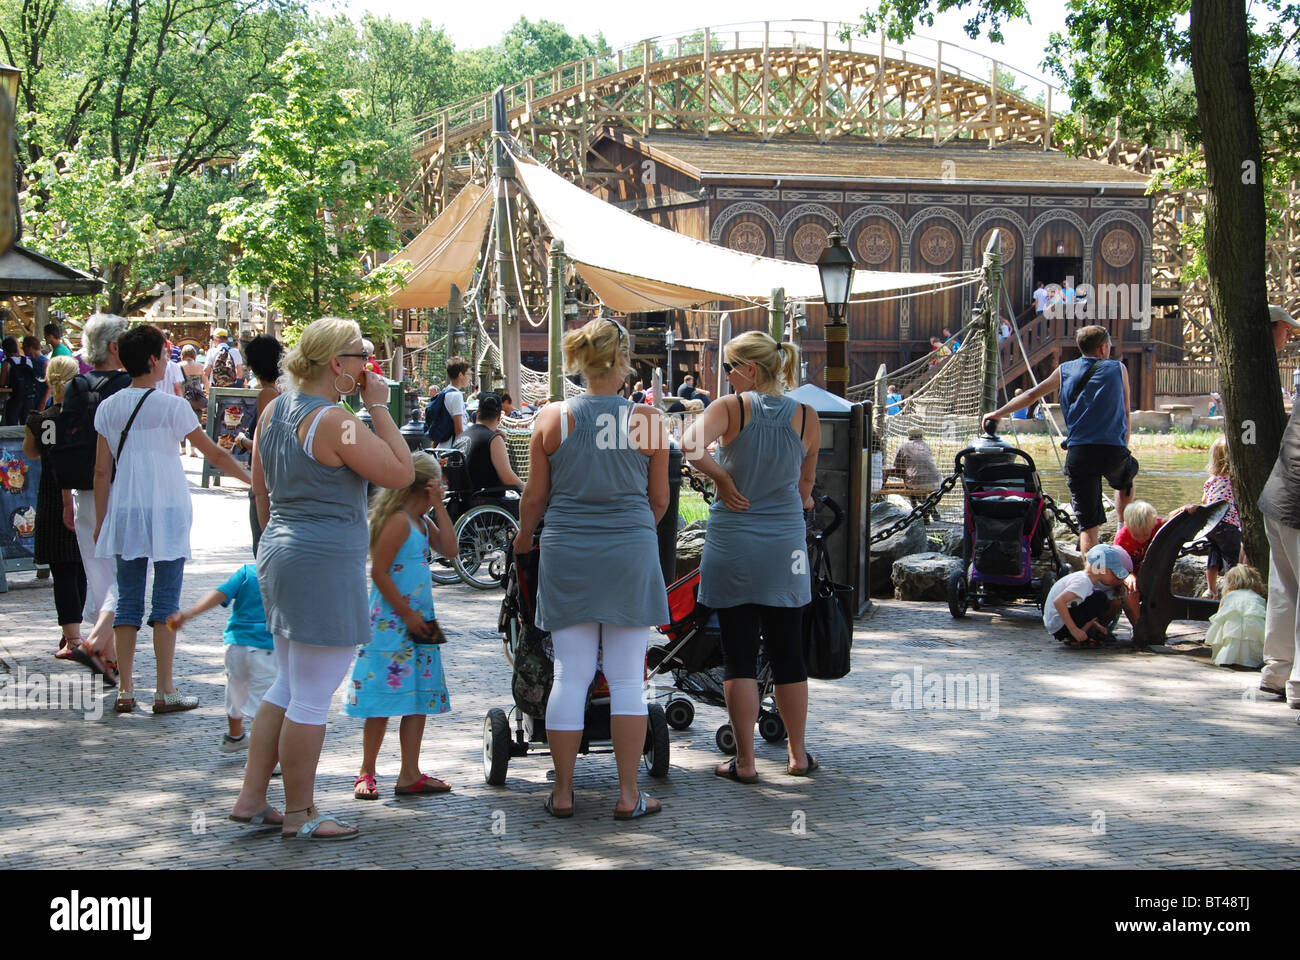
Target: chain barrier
{"type": "Point", "coordinates": [922, 508]}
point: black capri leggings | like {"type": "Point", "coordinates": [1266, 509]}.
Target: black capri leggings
{"type": "Point", "coordinates": [69, 590]}
{"type": "Point", "coordinates": [782, 636]}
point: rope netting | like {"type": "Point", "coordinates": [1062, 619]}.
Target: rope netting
{"type": "Point", "coordinates": [944, 402]}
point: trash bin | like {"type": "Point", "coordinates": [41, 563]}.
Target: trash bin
{"type": "Point", "coordinates": [396, 402]}
{"type": "Point", "coordinates": [667, 529]}
{"type": "Point", "coordinates": [844, 475]}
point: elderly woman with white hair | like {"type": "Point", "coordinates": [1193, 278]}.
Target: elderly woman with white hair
{"type": "Point", "coordinates": [82, 396]}
{"type": "Point", "coordinates": [311, 462]}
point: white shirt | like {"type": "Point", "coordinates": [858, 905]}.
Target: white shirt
{"type": "Point", "coordinates": [1041, 296]}
{"type": "Point", "coordinates": [149, 511]}
{"type": "Point", "coordinates": [454, 402]}
{"type": "Point", "coordinates": [172, 375]}
{"type": "Point", "coordinates": [1079, 584]}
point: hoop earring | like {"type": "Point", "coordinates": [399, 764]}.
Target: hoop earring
{"type": "Point", "coordinates": [349, 392]}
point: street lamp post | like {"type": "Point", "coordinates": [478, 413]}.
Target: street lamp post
{"type": "Point", "coordinates": [835, 267]}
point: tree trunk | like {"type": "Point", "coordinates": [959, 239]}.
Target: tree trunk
{"type": "Point", "coordinates": [1234, 253]}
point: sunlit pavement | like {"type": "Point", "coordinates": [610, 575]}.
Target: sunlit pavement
{"type": "Point", "coordinates": [1008, 752]}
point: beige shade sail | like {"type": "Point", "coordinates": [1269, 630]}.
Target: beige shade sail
{"type": "Point", "coordinates": [635, 266]}
{"type": "Point", "coordinates": [446, 251]}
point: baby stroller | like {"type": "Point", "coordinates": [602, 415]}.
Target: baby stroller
{"type": "Point", "coordinates": [521, 729]}
{"type": "Point", "coordinates": [692, 657]}
{"type": "Point", "coordinates": [1007, 524]}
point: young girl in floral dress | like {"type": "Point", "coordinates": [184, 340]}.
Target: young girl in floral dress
{"type": "Point", "coordinates": [393, 675]}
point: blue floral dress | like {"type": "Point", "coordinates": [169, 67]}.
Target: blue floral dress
{"type": "Point", "coordinates": [392, 676]}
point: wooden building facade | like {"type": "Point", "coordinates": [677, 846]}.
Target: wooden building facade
{"type": "Point", "coordinates": [902, 207]}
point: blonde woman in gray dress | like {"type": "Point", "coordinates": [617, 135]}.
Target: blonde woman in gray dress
{"type": "Point", "coordinates": [598, 469]}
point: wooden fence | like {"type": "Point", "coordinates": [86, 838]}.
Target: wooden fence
{"type": "Point", "coordinates": [1199, 379]}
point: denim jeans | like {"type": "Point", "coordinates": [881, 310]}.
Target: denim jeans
{"type": "Point", "coordinates": [167, 578]}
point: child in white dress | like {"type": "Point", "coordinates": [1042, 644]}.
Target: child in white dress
{"type": "Point", "coordinates": [1236, 634]}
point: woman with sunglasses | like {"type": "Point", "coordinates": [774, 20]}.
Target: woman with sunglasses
{"type": "Point", "coordinates": [311, 462]}
{"type": "Point", "coordinates": [754, 568]}
{"type": "Point", "coordinates": [598, 469]}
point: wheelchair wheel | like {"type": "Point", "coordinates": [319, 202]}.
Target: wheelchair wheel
{"type": "Point", "coordinates": [442, 570]}
{"type": "Point", "coordinates": [484, 535]}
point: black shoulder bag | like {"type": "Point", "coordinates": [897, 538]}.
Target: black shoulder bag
{"type": "Point", "coordinates": [127, 429]}
{"type": "Point", "coordinates": [827, 621]}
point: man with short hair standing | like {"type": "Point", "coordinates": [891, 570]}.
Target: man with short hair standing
{"type": "Point", "coordinates": [452, 399]}
{"type": "Point", "coordinates": [219, 376]}
{"type": "Point", "coordinates": [1095, 403]}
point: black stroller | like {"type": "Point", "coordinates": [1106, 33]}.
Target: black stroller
{"type": "Point", "coordinates": [522, 728]}
{"type": "Point", "coordinates": [1007, 524]}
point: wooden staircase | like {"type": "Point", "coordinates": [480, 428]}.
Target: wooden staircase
{"type": "Point", "coordinates": [1043, 337]}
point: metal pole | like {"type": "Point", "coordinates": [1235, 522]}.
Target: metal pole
{"type": "Point", "coordinates": [992, 306]}
{"type": "Point", "coordinates": [837, 357]}
{"type": "Point", "coordinates": [555, 331]}
{"type": "Point", "coordinates": [776, 314]}
{"type": "Point", "coordinates": [503, 168]}
{"type": "Point", "coordinates": [724, 336]}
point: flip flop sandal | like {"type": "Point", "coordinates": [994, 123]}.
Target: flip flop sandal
{"type": "Point", "coordinates": [733, 774]}
{"type": "Point", "coordinates": [640, 810]}
{"type": "Point", "coordinates": [368, 782]}
{"type": "Point", "coordinates": [550, 807]}
{"type": "Point", "coordinates": [812, 765]}
{"type": "Point", "coordinates": [426, 784]}
{"type": "Point", "coordinates": [257, 819]}
{"type": "Point", "coordinates": [68, 649]}
{"type": "Point", "coordinates": [308, 830]}
{"type": "Point", "coordinates": [124, 704]}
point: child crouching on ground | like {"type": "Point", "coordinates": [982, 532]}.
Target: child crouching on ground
{"type": "Point", "coordinates": [398, 673]}
{"type": "Point", "coordinates": [1081, 606]}
{"type": "Point", "coordinates": [1140, 526]}
{"type": "Point", "coordinates": [250, 654]}
{"type": "Point", "coordinates": [1236, 633]}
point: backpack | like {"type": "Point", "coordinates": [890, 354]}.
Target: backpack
{"type": "Point", "coordinates": [22, 382]}
{"type": "Point", "coordinates": [195, 395]}
{"type": "Point", "coordinates": [438, 424]}
{"type": "Point", "coordinates": [75, 438]}
{"type": "Point", "coordinates": [223, 368]}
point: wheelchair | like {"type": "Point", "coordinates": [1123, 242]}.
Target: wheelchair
{"type": "Point", "coordinates": [486, 522]}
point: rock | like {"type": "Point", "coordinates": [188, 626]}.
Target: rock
{"type": "Point", "coordinates": [1188, 577]}
{"type": "Point", "coordinates": [905, 542]}
{"type": "Point", "coordinates": [924, 576]}
{"type": "Point", "coordinates": [690, 545]}
{"type": "Point", "coordinates": [1070, 555]}
{"type": "Point", "coordinates": [944, 537]}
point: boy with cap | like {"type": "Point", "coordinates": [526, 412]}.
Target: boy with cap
{"type": "Point", "coordinates": [1081, 605]}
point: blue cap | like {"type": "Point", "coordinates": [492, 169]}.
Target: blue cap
{"type": "Point", "coordinates": [1108, 557]}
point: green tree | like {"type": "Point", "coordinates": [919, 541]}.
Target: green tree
{"type": "Point", "coordinates": [316, 170]}
{"type": "Point", "coordinates": [1119, 60]}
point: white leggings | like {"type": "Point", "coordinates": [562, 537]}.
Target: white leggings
{"type": "Point", "coordinates": [307, 679]}
{"type": "Point", "coordinates": [101, 572]}
{"type": "Point", "coordinates": [622, 655]}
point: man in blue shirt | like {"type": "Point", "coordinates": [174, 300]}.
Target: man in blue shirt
{"type": "Point", "coordinates": [1095, 403]}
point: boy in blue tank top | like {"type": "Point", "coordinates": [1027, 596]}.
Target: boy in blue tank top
{"type": "Point", "coordinates": [1095, 404]}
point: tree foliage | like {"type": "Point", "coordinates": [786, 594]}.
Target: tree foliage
{"type": "Point", "coordinates": [316, 169]}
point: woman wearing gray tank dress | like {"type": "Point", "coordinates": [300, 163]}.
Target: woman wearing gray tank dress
{"type": "Point", "coordinates": [598, 469]}
{"type": "Point", "coordinates": [754, 568]}
{"type": "Point", "coordinates": [311, 461]}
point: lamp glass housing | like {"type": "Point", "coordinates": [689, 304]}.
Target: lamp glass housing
{"type": "Point", "coordinates": [835, 267]}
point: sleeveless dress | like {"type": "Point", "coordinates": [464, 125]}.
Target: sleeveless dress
{"type": "Point", "coordinates": [759, 555]}
{"type": "Point", "coordinates": [600, 554]}
{"type": "Point", "coordinates": [311, 560]}
{"type": "Point", "coordinates": [394, 676]}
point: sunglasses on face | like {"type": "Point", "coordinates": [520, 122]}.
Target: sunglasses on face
{"type": "Point", "coordinates": [363, 355]}
{"type": "Point", "coordinates": [728, 366]}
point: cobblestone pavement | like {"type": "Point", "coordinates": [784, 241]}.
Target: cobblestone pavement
{"type": "Point", "coordinates": [1088, 758]}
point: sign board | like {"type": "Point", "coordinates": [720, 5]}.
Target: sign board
{"type": "Point", "coordinates": [231, 411]}
{"type": "Point", "coordinates": [20, 478]}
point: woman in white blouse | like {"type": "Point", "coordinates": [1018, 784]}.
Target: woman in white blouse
{"type": "Point", "coordinates": [143, 514]}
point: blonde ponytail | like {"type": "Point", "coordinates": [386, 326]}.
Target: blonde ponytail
{"type": "Point", "coordinates": [777, 363]}
{"type": "Point", "coordinates": [596, 349]}
{"type": "Point", "coordinates": [789, 365]}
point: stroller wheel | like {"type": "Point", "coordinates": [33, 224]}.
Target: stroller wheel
{"type": "Point", "coordinates": [496, 746]}
{"type": "Point", "coordinates": [726, 739]}
{"type": "Point", "coordinates": [1049, 581]}
{"type": "Point", "coordinates": [958, 596]}
{"type": "Point", "coordinates": [771, 727]}
{"type": "Point", "coordinates": [679, 713]}
{"type": "Point", "coordinates": [655, 755]}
